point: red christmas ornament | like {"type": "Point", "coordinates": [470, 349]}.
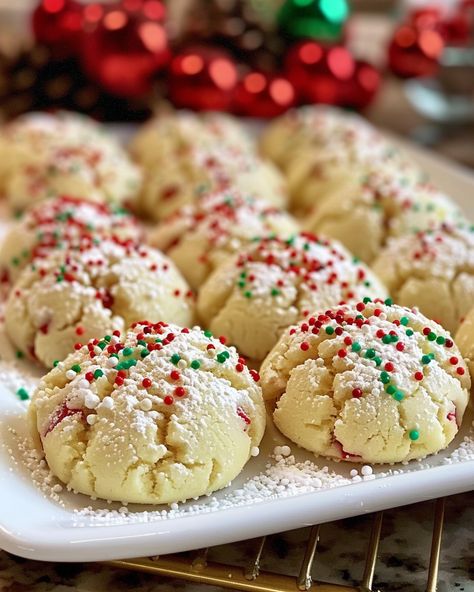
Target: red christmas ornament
{"type": "Point", "coordinates": [124, 45]}
{"type": "Point", "coordinates": [318, 73]}
{"type": "Point", "coordinates": [414, 51]}
{"type": "Point", "coordinates": [202, 78]}
{"type": "Point", "coordinates": [58, 24]}
{"type": "Point", "coordinates": [361, 89]}
{"type": "Point", "coordinates": [264, 95]}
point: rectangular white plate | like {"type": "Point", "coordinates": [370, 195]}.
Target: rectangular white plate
{"type": "Point", "coordinates": [34, 525]}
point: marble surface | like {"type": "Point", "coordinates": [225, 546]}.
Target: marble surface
{"type": "Point", "coordinates": [402, 563]}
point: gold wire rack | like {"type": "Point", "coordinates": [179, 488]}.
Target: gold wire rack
{"type": "Point", "coordinates": [196, 567]}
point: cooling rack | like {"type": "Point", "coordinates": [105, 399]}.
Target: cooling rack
{"type": "Point", "coordinates": [195, 567]}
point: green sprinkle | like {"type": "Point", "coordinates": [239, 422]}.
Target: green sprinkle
{"type": "Point", "coordinates": [195, 364]}
{"type": "Point", "coordinates": [414, 434]}
{"type": "Point", "coordinates": [356, 346]}
{"type": "Point", "coordinates": [243, 275]}
{"type": "Point", "coordinates": [366, 300]}
{"type": "Point", "coordinates": [388, 301]}
{"type": "Point", "coordinates": [398, 395]}
{"type": "Point", "coordinates": [208, 334]}
{"type": "Point", "coordinates": [275, 292]}
{"type": "Point", "coordinates": [102, 344]}
{"type": "Point", "coordinates": [22, 393]}
{"type": "Point", "coordinates": [367, 284]}
{"type": "Point", "coordinates": [127, 351]}
{"type": "Point", "coordinates": [221, 358]}
{"type": "Point", "coordinates": [241, 283]}
{"type": "Point", "coordinates": [98, 373]}
{"type": "Point", "coordinates": [55, 363]}
{"type": "Point", "coordinates": [248, 294]}
{"type": "Point", "coordinates": [431, 336]}
{"type": "Point", "coordinates": [142, 342]}
{"type": "Point", "coordinates": [76, 368]}
{"type": "Point", "coordinates": [19, 354]}
{"type": "Point", "coordinates": [144, 353]}
{"type": "Point", "coordinates": [384, 377]}
{"type": "Point", "coordinates": [404, 321]}
{"type": "Point", "coordinates": [15, 261]}
{"type": "Point", "coordinates": [426, 359]}
{"type": "Point", "coordinates": [120, 366]}
{"type": "Point", "coordinates": [409, 332]}
{"type": "Point", "coordinates": [306, 246]}
{"type": "Point", "coordinates": [175, 358]}
{"type": "Point", "coordinates": [393, 338]}
{"type": "Point", "coordinates": [114, 355]}
{"type": "Point", "coordinates": [158, 340]}
{"type": "Point", "coordinates": [108, 338]}
{"type": "Point", "coordinates": [370, 353]}
{"type": "Point", "coordinates": [391, 389]}
{"type": "Point", "coordinates": [387, 338]}
{"type": "Point", "coordinates": [440, 340]}
{"type": "Point", "coordinates": [329, 330]}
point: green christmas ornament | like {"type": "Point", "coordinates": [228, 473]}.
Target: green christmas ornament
{"type": "Point", "coordinates": [315, 19]}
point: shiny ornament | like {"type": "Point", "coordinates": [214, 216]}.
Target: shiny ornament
{"type": "Point", "coordinates": [58, 25]}
{"type": "Point", "coordinates": [125, 45]}
{"type": "Point", "coordinates": [264, 95]}
{"type": "Point", "coordinates": [202, 78]}
{"type": "Point", "coordinates": [315, 19]}
{"type": "Point", "coordinates": [361, 89]}
{"type": "Point", "coordinates": [318, 73]}
{"type": "Point", "coordinates": [415, 52]}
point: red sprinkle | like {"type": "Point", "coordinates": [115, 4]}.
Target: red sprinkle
{"type": "Point", "coordinates": [239, 367]}
{"type": "Point", "coordinates": [418, 375]}
{"type": "Point", "coordinates": [80, 330]}
{"type": "Point", "coordinates": [453, 360]}
{"type": "Point", "coordinates": [460, 370]}
{"type": "Point", "coordinates": [357, 393]}
{"type": "Point", "coordinates": [89, 376]}
{"type": "Point", "coordinates": [174, 375]}
{"type": "Point", "coordinates": [179, 391]}
{"type": "Point", "coordinates": [400, 346]}
{"type": "Point", "coordinates": [146, 383]}
{"type": "Point", "coordinates": [342, 353]}
{"type": "Point", "coordinates": [389, 367]}
{"type": "Point", "coordinates": [119, 380]}
{"type": "Point", "coordinates": [168, 400]}
{"type": "Point", "coordinates": [448, 343]}
{"type": "Point", "coordinates": [304, 346]}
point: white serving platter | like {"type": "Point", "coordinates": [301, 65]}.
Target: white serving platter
{"type": "Point", "coordinates": [40, 523]}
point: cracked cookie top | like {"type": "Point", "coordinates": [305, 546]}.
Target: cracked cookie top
{"type": "Point", "coordinates": [254, 296]}
{"type": "Point", "coordinates": [155, 415]}
{"type": "Point", "coordinates": [371, 382]}
{"type": "Point", "coordinates": [75, 294]}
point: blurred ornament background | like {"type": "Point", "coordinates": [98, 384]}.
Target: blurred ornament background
{"type": "Point", "coordinates": [406, 63]}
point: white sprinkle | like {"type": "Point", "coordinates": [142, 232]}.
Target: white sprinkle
{"type": "Point", "coordinates": [112, 362]}
{"type": "Point", "coordinates": [354, 472]}
{"type": "Point", "coordinates": [145, 404]}
{"type": "Point", "coordinates": [107, 403]}
{"type": "Point", "coordinates": [285, 451]}
{"type": "Point", "coordinates": [255, 451]}
{"type": "Point", "coordinates": [366, 470]}
{"type": "Point", "coordinates": [91, 419]}
{"type": "Point", "coordinates": [91, 401]}
{"type": "Point", "coordinates": [70, 374]}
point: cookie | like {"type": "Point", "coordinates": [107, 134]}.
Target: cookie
{"type": "Point", "coordinates": [175, 133]}
{"type": "Point", "coordinates": [157, 415]}
{"type": "Point", "coordinates": [60, 223]}
{"type": "Point", "coordinates": [75, 295]}
{"type": "Point", "coordinates": [432, 270]}
{"type": "Point", "coordinates": [181, 179]}
{"type": "Point", "coordinates": [371, 382]}
{"type": "Point", "coordinates": [46, 156]}
{"type": "Point", "coordinates": [254, 296]}
{"type": "Point", "coordinates": [200, 236]}
{"type": "Point", "coordinates": [377, 203]}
